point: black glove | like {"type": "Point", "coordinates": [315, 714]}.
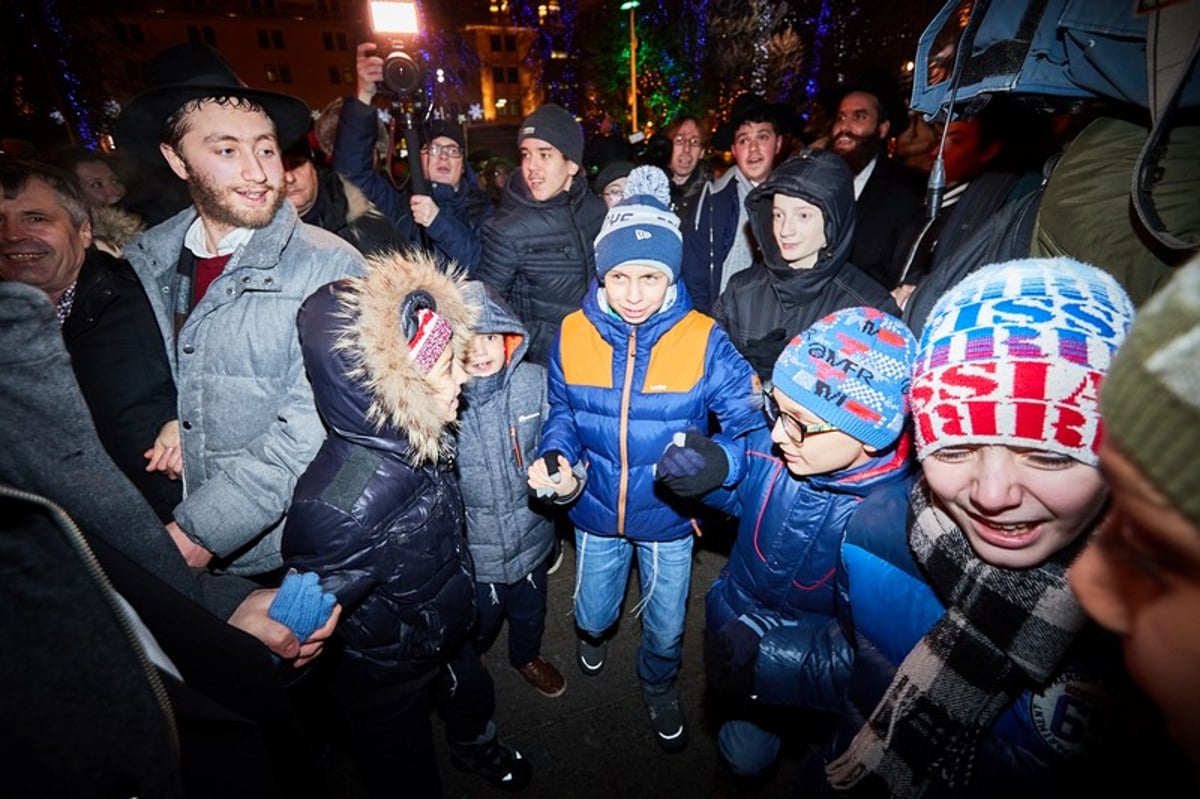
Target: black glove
{"type": "Point", "coordinates": [551, 460]}
{"type": "Point", "coordinates": [731, 653]}
{"type": "Point", "coordinates": [692, 465]}
{"type": "Point", "coordinates": [763, 352]}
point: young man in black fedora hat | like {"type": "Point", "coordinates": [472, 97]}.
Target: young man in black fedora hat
{"type": "Point", "coordinates": [226, 278]}
{"type": "Point", "coordinates": [717, 243]}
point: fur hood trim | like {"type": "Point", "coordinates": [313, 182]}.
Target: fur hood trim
{"type": "Point", "coordinates": [115, 227]}
{"type": "Point", "coordinates": [374, 341]}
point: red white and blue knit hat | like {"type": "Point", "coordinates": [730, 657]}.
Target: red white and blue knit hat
{"type": "Point", "coordinates": [642, 229]}
{"type": "Point", "coordinates": [1015, 354]}
{"type": "Point", "coordinates": [851, 369]}
{"type": "Point", "coordinates": [432, 335]}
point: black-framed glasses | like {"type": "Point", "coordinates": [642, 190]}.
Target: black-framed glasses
{"type": "Point", "coordinates": [451, 151]}
{"type": "Point", "coordinates": [796, 430]}
{"type": "Point", "coordinates": [691, 142]}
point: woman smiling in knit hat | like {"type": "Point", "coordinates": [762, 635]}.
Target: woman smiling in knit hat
{"type": "Point", "coordinates": [998, 684]}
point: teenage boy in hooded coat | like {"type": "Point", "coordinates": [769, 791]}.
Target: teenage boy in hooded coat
{"type": "Point", "coordinates": [803, 217]}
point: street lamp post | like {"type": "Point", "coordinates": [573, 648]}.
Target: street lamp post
{"type": "Point", "coordinates": [630, 5]}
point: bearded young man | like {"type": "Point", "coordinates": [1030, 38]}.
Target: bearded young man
{"type": "Point", "coordinates": [226, 278]}
{"type": "Point", "coordinates": [887, 195]}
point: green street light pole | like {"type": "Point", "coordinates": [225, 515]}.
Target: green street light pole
{"type": "Point", "coordinates": [630, 5]}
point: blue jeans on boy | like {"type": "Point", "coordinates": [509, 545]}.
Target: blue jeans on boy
{"type": "Point", "coordinates": [664, 571]}
{"type": "Point", "coordinates": [524, 605]}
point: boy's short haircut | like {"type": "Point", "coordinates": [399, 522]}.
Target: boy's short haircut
{"type": "Point", "coordinates": [1014, 355]}
{"type": "Point", "coordinates": [851, 369]}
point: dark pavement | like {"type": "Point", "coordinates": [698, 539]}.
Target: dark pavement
{"type": "Point", "coordinates": [595, 742]}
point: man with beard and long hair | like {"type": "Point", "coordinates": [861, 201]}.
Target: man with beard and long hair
{"type": "Point", "coordinates": [887, 195]}
{"type": "Point", "coordinates": [226, 278]}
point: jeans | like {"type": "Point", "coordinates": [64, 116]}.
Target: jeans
{"type": "Point", "coordinates": [665, 573]}
{"type": "Point", "coordinates": [524, 604]}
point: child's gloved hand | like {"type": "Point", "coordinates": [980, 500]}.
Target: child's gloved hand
{"type": "Point", "coordinates": [301, 605]}
{"type": "Point", "coordinates": [731, 651]}
{"type": "Point", "coordinates": [692, 465]}
{"type": "Point", "coordinates": [551, 476]}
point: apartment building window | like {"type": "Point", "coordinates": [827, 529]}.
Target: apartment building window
{"type": "Point", "coordinates": [327, 40]}
{"type": "Point", "coordinates": [335, 75]}
{"type": "Point", "coordinates": [342, 43]}
{"type": "Point", "coordinates": [130, 33]}
{"type": "Point", "coordinates": [268, 39]}
{"type": "Point", "coordinates": [494, 42]}
{"type": "Point", "coordinates": [497, 74]}
{"type": "Point", "coordinates": [512, 76]}
{"type": "Point", "coordinates": [510, 43]}
{"type": "Point", "coordinates": [279, 73]}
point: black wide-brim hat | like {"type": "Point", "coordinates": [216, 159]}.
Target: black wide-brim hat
{"type": "Point", "coordinates": [195, 71]}
{"type": "Point", "coordinates": [883, 86]}
{"type": "Point", "coordinates": [753, 107]}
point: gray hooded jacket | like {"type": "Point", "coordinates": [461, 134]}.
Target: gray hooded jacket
{"type": "Point", "coordinates": [499, 431]}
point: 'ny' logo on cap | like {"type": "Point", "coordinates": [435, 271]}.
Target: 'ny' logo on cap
{"type": "Point", "coordinates": [640, 234]}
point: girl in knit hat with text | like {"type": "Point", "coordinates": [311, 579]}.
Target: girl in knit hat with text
{"type": "Point", "coordinates": [634, 366]}
{"type": "Point", "coordinates": [378, 515]}
{"type": "Point", "coordinates": [977, 672]}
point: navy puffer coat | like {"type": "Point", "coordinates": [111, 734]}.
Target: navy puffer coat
{"type": "Point", "coordinates": [378, 513]}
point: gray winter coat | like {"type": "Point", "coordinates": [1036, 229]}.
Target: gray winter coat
{"type": "Point", "coordinates": [500, 429]}
{"type": "Point", "coordinates": [246, 413]}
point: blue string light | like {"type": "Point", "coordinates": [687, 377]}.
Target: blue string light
{"type": "Point", "coordinates": [72, 89]}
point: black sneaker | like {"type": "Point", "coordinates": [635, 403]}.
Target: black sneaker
{"type": "Point", "coordinates": [590, 656]}
{"type": "Point", "coordinates": [498, 764]}
{"type": "Point", "coordinates": [666, 717]}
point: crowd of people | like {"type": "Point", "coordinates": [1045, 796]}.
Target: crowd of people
{"type": "Point", "coordinates": [285, 446]}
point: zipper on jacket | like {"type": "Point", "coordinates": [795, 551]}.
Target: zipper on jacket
{"type": "Point", "coordinates": [623, 490]}
{"type": "Point", "coordinates": [100, 579]}
{"type": "Point", "coordinates": [516, 445]}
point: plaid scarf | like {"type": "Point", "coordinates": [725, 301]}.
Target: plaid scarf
{"type": "Point", "coordinates": [1004, 631]}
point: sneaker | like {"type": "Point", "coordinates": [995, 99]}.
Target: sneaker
{"type": "Point", "coordinates": [542, 675]}
{"type": "Point", "coordinates": [666, 717]}
{"type": "Point", "coordinates": [500, 765]}
{"type": "Point", "coordinates": [590, 656]}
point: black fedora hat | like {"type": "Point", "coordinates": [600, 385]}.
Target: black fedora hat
{"type": "Point", "coordinates": [194, 71]}
{"type": "Point", "coordinates": [750, 107]}
{"type": "Point", "coordinates": [883, 87]}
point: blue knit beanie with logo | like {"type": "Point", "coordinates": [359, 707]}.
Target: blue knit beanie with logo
{"type": "Point", "coordinates": [851, 369]}
{"type": "Point", "coordinates": [642, 229]}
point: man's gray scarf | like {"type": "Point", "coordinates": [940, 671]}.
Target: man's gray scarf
{"type": "Point", "coordinates": [1004, 631]}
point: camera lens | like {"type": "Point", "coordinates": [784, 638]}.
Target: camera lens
{"type": "Point", "coordinates": [401, 73]}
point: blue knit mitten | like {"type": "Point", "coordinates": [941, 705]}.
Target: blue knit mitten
{"type": "Point", "coordinates": [301, 605]}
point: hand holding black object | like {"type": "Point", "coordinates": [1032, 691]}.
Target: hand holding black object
{"type": "Point", "coordinates": [692, 465]}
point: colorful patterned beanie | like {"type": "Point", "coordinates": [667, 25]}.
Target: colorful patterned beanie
{"type": "Point", "coordinates": [851, 369]}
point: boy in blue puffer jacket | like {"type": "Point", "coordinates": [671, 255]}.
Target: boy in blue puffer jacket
{"type": "Point", "coordinates": [835, 453]}
{"type": "Point", "coordinates": [635, 365]}
{"type": "Point", "coordinates": [510, 536]}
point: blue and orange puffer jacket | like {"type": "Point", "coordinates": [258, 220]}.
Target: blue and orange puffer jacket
{"type": "Point", "coordinates": [619, 392]}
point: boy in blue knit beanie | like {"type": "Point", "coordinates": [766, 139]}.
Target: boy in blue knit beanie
{"type": "Point", "coordinates": [631, 368]}
{"type": "Point", "coordinates": [835, 453]}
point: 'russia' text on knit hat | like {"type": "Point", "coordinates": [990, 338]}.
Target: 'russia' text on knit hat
{"type": "Point", "coordinates": [852, 370]}
{"type": "Point", "coordinates": [556, 125]}
{"type": "Point", "coordinates": [641, 228]}
{"type": "Point", "coordinates": [1151, 397]}
{"type": "Point", "coordinates": [1014, 356]}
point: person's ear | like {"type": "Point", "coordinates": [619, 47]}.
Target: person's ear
{"type": "Point", "coordinates": [572, 168]}
{"type": "Point", "coordinates": [991, 151]}
{"type": "Point", "coordinates": [85, 233]}
{"type": "Point", "coordinates": [177, 164]}
{"type": "Point", "coordinates": [884, 128]}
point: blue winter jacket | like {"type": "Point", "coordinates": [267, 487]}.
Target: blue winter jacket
{"type": "Point", "coordinates": [708, 238]}
{"type": "Point", "coordinates": [784, 560]}
{"type": "Point", "coordinates": [619, 392]}
{"type": "Point", "coordinates": [454, 234]}
{"type": "Point", "coordinates": [1089, 732]}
